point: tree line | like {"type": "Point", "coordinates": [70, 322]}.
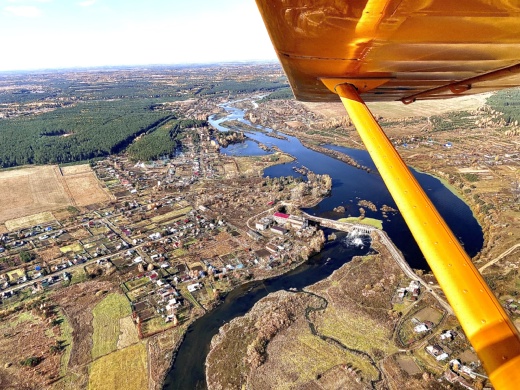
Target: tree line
{"type": "Point", "coordinates": [163, 141]}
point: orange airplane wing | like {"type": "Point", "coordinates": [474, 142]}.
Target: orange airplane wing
{"type": "Point", "coordinates": [380, 50]}
{"type": "Point", "coordinates": [407, 49]}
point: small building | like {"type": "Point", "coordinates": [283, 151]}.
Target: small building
{"type": "Point", "coordinates": [297, 222]}
{"type": "Point", "coordinates": [281, 218]}
{"type": "Point", "coordinates": [272, 248]}
{"type": "Point", "coordinates": [434, 350]}
{"type": "Point", "coordinates": [420, 328]}
{"type": "Point", "coordinates": [278, 230]}
{"type": "Point", "coordinates": [254, 235]}
{"type": "Point", "coordinates": [194, 287]}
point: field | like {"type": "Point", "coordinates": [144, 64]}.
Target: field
{"type": "Point", "coordinates": [31, 220]}
{"type": "Point", "coordinates": [128, 335]}
{"type": "Point", "coordinates": [171, 215]}
{"type": "Point", "coordinates": [408, 364]}
{"type": "Point", "coordinates": [30, 194]}
{"type": "Point", "coordinates": [400, 110]}
{"type": "Point", "coordinates": [106, 323]}
{"type": "Point", "coordinates": [33, 190]}
{"type": "Point", "coordinates": [299, 351]}
{"type": "Point", "coordinates": [125, 370]}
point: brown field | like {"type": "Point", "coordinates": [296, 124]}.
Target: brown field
{"type": "Point", "coordinates": [25, 335]}
{"type": "Point", "coordinates": [30, 220]}
{"type": "Point", "coordinates": [75, 169]}
{"type": "Point", "coordinates": [85, 189]}
{"type": "Point", "coordinates": [33, 190]}
{"type": "Point", "coordinates": [128, 333]}
{"type": "Point", "coordinates": [429, 314]}
{"type": "Point", "coordinates": [400, 110]}
{"type": "Point", "coordinates": [408, 364]}
{"type": "Point", "coordinates": [41, 189]}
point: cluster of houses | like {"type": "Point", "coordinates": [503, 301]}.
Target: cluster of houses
{"type": "Point", "coordinates": [411, 292]}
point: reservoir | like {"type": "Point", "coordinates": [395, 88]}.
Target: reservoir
{"type": "Point", "coordinates": [349, 185]}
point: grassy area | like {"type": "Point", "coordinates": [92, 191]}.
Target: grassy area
{"type": "Point", "coordinates": [66, 338]}
{"type": "Point", "coordinates": [79, 276]}
{"type": "Point", "coordinates": [31, 220]}
{"type": "Point", "coordinates": [133, 284]}
{"type": "Point", "coordinates": [179, 252]}
{"type": "Point", "coordinates": [302, 357]}
{"type": "Point", "coordinates": [355, 330]}
{"type": "Point", "coordinates": [106, 323]}
{"type": "Point", "coordinates": [155, 324]}
{"type": "Point", "coordinates": [122, 370]}
{"type": "Point", "coordinates": [377, 223]}
{"type": "Point", "coordinates": [171, 215]}
{"type": "Point", "coordinates": [76, 247]}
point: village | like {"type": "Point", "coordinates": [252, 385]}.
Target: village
{"type": "Point", "coordinates": [172, 237]}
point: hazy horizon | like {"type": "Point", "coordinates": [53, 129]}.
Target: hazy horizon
{"type": "Point", "coordinates": [59, 35]}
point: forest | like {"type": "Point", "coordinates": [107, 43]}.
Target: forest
{"type": "Point", "coordinates": [95, 113]}
{"type": "Point", "coordinates": [163, 141]}
{"type": "Point", "coordinates": [84, 131]}
{"type": "Point", "coordinates": [507, 102]}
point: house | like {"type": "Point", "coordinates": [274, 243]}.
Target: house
{"type": "Point", "coordinates": [448, 335]}
{"type": "Point", "coordinates": [278, 230]}
{"type": "Point", "coordinates": [194, 287]}
{"type": "Point", "coordinates": [420, 328]}
{"type": "Point", "coordinates": [281, 218]}
{"type": "Point", "coordinates": [434, 350]}
{"type": "Point", "coordinates": [452, 378]}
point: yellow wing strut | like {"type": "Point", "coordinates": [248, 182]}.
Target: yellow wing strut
{"type": "Point", "coordinates": [483, 319]}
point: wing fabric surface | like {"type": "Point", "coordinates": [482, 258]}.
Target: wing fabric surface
{"type": "Point", "coordinates": [414, 46]}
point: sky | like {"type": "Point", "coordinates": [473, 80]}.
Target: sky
{"type": "Point", "coordinates": [56, 34]}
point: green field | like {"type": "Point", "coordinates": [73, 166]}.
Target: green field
{"type": "Point", "coordinates": [66, 337]}
{"type": "Point", "coordinates": [377, 223]}
{"type": "Point", "coordinates": [106, 323]}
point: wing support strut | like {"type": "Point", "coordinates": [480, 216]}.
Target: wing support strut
{"type": "Point", "coordinates": [489, 329]}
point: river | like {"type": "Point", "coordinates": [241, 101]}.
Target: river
{"type": "Point", "coordinates": [349, 185]}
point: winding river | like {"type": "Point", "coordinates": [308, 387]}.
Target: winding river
{"type": "Point", "coordinates": [349, 185]}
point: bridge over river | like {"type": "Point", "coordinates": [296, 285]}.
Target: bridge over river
{"type": "Point", "coordinates": [385, 240]}
{"type": "Point", "coordinates": [343, 226]}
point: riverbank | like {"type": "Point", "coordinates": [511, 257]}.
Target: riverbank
{"type": "Point", "coordinates": [338, 330]}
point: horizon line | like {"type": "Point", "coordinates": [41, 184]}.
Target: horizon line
{"type": "Point", "coordinates": [126, 66]}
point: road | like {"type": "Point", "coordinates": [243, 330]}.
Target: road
{"type": "Point", "coordinates": [408, 271]}
{"type": "Point", "coordinates": [500, 257]}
